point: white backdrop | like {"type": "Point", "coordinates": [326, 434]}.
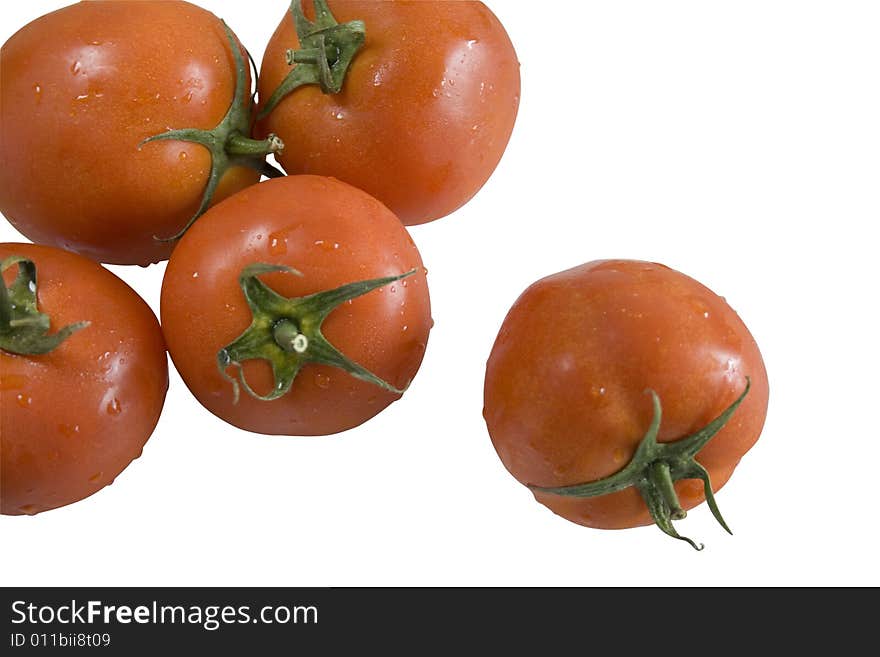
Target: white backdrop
{"type": "Point", "coordinates": [738, 142]}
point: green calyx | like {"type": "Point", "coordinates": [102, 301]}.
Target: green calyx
{"type": "Point", "coordinates": [286, 332]}
{"type": "Point", "coordinates": [327, 49]}
{"type": "Point", "coordinates": [656, 466]}
{"type": "Point", "coordinates": [228, 143]}
{"type": "Point", "coordinates": [24, 330]}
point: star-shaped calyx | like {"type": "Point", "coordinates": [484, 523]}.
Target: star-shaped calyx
{"type": "Point", "coordinates": [327, 49]}
{"type": "Point", "coordinates": [24, 330]}
{"type": "Point", "coordinates": [656, 466]}
{"type": "Point", "coordinates": [286, 332]}
{"type": "Point", "coordinates": [228, 143]}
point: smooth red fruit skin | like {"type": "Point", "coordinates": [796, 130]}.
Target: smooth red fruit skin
{"type": "Point", "coordinates": [426, 111]}
{"type": "Point", "coordinates": [333, 234]}
{"type": "Point", "coordinates": [566, 382]}
{"type": "Point", "coordinates": [82, 88]}
{"type": "Point", "coordinates": [73, 419]}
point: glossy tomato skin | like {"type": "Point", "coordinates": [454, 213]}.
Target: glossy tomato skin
{"type": "Point", "coordinates": [426, 111]}
{"type": "Point", "coordinates": [565, 389]}
{"type": "Point", "coordinates": [82, 88]}
{"type": "Point", "coordinates": [333, 234]}
{"type": "Point", "coordinates": [73, 419]}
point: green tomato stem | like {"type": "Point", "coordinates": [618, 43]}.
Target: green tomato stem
{"type": "Point", "coordinates": [24, 330]}
{"type": "Point", "coordinates": [286, 332]}
{"type": "Point", "coordinates": [327, 49]}
{"type": "Point", "coordinates": [655, 467]}
{"type": "Point", "coordinates": [660, 476]}
{"type": "Point", "coordinates": [227, 142]}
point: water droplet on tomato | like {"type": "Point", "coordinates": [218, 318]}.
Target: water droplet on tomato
{"type": "Point", "coordinates": [405, 328]}
{"type": "Point", "coordinates": [618, 455]}
{"type": "Point", "coordinates": [393, 289]}
{"type": "Point", "coordinates": [277, 244]}
{"type": "Point", "coordinates": [68, 430]}
{"type": "Point", "coordinates": [28, 509]}
{"type": "Point", "coordinates": [182, 156]}
{"type": "Point", "coordinates": [322, 380]}
{"type": "Point", "coordinates": [195, 274]}
{"type": "Point", "coordinates": [76, 67]}
{"type": "Point", "coordinates": [23, 400]}
{"type": "Point", "coordinates": [95, 478]}
{"type": "Point", "coordinates": [114, 407]}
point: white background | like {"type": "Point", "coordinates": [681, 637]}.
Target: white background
{"type": "Point", "coordinates": [738, 142]}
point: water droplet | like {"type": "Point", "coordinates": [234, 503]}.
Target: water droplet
{"type": "Point", "coordinates": [82, 96]}
{"type": "Point", "coordinates": [471, 43]}
{"type": "Point", "coordinates": [393, 289]}
{"type": "Point", "coordinates": [322, 381]}
{"type": "Point", "coordinates": [12, 382]}
{"type": "Point", "coordinates": [277, 244]}
{"type": "Point", "coordinates": [29, 509]}
{"type": "Point", "coordinates": [182, 156]}
{"type": "Point", "coordinates": [371, 400]}
{"type": "Point", "coordinates": [95, 478]}
{"type": "Point", "coordinates": [195, 274]}
{"type": "Point", "coordinates": [23, 400]}
{"type": "Point", "coordinates": [339, 116]}
{"type": "Point", "coordinates": [114, 407]}
{"type": "Point", "coordinates": [76, 67]}
{"type": "Point", "coordinates": [38, 91]}
{"type": "Point", "coordinates": [403, 283]}
{"type": "Point", "coordinates": [618, 455]}
{"type": "Point", "coordinates": [188, 97]}
{"type": "Point", "coordinates": [706, 314]}
{"type": "Point", "coordinates": [405, 328]}
{"type": "Point", "coordinates": [68, 430]}
{"type": "Point", "coordinates": [327, 245]}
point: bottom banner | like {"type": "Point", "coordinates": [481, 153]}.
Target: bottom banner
{"type": "Point", "coordinates": [412, 620]}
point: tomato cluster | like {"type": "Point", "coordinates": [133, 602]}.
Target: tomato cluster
{"type": "Point", "coordinates": [299, 305]}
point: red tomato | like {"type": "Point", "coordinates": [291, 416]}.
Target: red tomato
{"type": "Point", "coordinates": [567, 398]}
{"type": "Point", "coordinates": [425, 112]}
{"type": "Point", "coordinates": [83, 87]}
{"type": "Point", "coordinates": [334, 235]}
{"type": "Point", "coordinates": [72, 419]}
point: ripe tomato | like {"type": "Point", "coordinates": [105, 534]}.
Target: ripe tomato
{"type": "Point", "coordinates": [333, 235]}
{"type": "Point", "coordinates": [83, 87]}
{"type": "Point", "coordinates": [425, 111]}
{"type": "Point", "coordinates": [73, 418]}
{"type": "Point", "coordinates": [569, 381]}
